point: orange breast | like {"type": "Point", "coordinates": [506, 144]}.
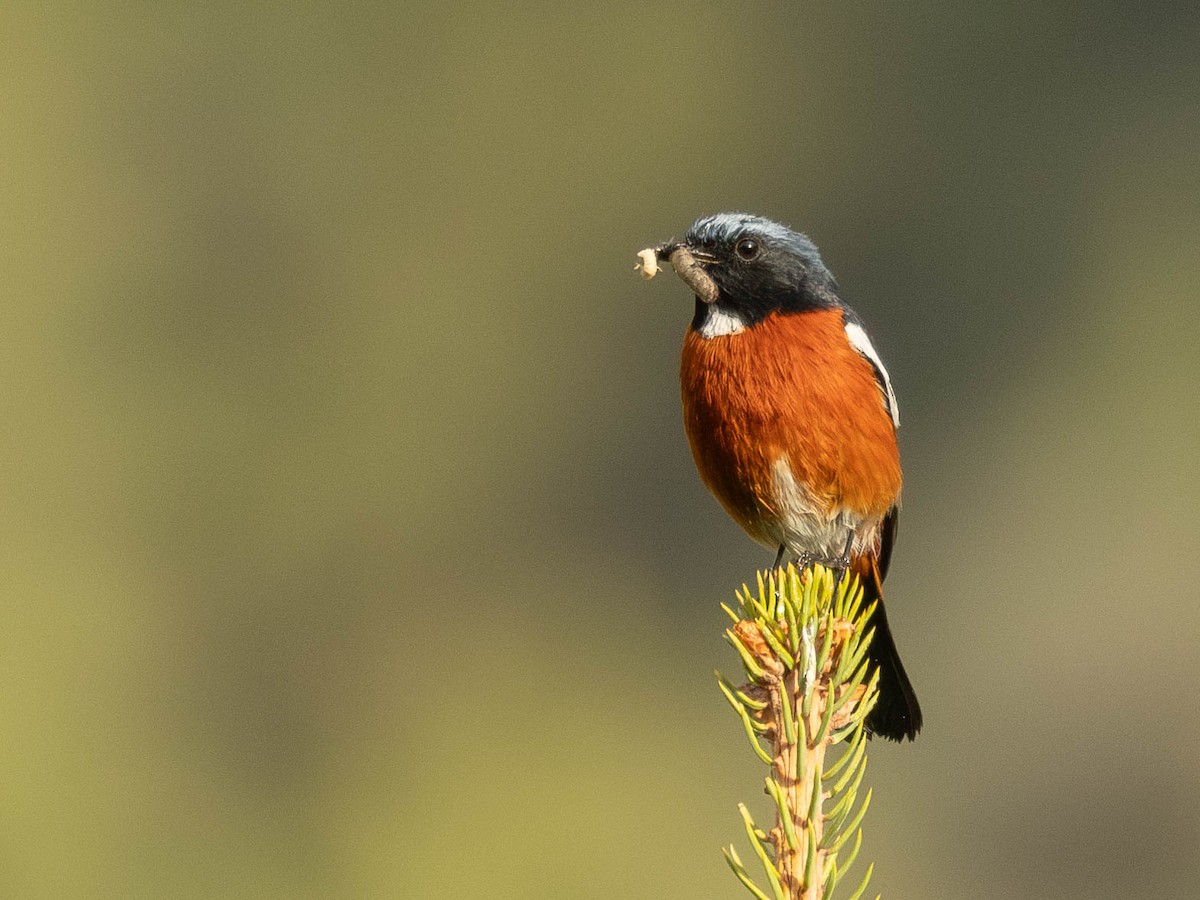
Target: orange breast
{"type": "Point", "coordinates": [790, 386]}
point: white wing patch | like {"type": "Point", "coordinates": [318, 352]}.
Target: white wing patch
{"type": "Point", "coordinates": [862, 343]}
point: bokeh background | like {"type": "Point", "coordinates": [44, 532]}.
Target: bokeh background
{"type": "Point", "coordinates": [351, 545]}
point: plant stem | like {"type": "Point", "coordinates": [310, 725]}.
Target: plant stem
{"type": "Point", "coordinates": [792, 755]}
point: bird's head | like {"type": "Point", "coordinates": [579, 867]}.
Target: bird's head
{"type": "Point", "coordinates": [759, 267]}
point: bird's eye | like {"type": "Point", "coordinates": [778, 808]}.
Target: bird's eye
{"type": "Point", "coordinates": [747, 248]}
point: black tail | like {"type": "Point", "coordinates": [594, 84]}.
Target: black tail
{"type": "Point", "coordinates": [897, 714]}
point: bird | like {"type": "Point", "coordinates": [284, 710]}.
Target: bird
{"type": "Point", "coordinates": [791, 416]}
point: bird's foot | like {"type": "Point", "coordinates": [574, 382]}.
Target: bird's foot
{"type": "Point", "coordinates": [834, 563]}
{"type": "Point", "coordinates": [841, 563]}
{"type": "Point", "coordinates": [804, 560]}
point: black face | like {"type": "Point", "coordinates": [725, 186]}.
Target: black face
{"type": "Point", "coordinates": [760, 267]}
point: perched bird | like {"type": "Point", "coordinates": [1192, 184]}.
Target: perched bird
{"type": "Point", "coordinates": [791, 416]}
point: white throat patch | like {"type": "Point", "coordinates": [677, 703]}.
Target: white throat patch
{"type": "Point", "coordinates": [719, 323]}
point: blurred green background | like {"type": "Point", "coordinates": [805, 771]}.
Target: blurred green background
{"type": "Point", "coordinates": [351, 544]}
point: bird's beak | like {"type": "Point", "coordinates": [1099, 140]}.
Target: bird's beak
{"type": "Point", "coordinates": [689, 266]}
{"type": "Point", "coordinates": [702, 256]}
{"type": "Point", "coordinates": [664, 251]}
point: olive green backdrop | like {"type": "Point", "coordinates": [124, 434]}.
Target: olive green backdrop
{"type": "Point", "coordinates": [351, 547]}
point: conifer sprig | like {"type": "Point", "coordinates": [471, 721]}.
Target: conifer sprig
{"type": "Point", "coordinates": [803, 646]}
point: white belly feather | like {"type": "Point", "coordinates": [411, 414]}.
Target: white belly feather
{"type": "Point", "coordinates": [807, 526]}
